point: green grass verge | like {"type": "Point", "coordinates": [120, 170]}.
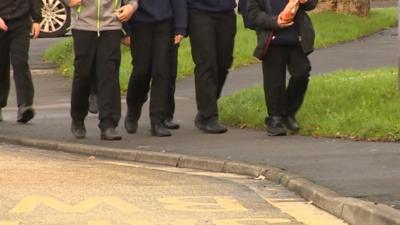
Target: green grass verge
{"type": "Point", "coordinates": [346, 104]}
{"type": "Point", "coordinates": [331, 28]}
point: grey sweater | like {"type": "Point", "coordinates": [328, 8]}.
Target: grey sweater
{"type": "Point", "coordinates": [97, 15]}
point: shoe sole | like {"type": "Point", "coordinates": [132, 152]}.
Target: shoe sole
{"type": "Point", "coordinates": [159, 135]}
{"type": "Point", "coordinates": [79, 137]}
{"type": "Point", "coordinates": [172, 128]}
{"type": "Point", "coordinates": [110, 139]}
{"type": "Point", "coordinates": [26, 116]}
{"type": "Point", "coordinates": [215, 132]}
{"type": "Point", "coordinates": [274, 134]}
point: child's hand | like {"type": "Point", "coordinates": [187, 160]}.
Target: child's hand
{"type": "Point", "coordinates": [126, 41]}
{"type": "Point", "coordinates": [35, 30]}
{"type": "Point", "coordinates": [3, 25]}
{"type": "Point", "coordinates": [73, 3]}
{"type": "Point", "coordinates": [178, 39]}
{"type": "Point", "coordinates": [282, 24]}
{"type": "Point", "coordinates": [303, 1]}
{"type": "Point", "coordinates": [125, 12]}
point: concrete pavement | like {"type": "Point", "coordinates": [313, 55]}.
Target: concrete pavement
{"type": "Point", "coordinates": [355, 169]}
{"type": "Point", "coordinates": [41, 187]}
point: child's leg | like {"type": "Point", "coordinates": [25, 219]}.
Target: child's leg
{"type": "Point", "coordinates": [85, 44]}
{"type": "Point", "coordinates": [173, 70]}
{"type": "Point", "coordinates": [202, 31]}
{"type": "Point", "coordinates": [226, 33]}
{"type": "Point", "coordinates": [274, 73]}
{"type": "Point", "coordinates": [139, 82]}
{"type": "Point", "coordinates": [4, 68]}
{"type": "Point", "coordinates": [299, 68]}
{"type": "Point", "coordinates": [108, 60]}
{"type": "Point", "coordinates": [160, 72]}
{"type": "Point", "coordinates": [19, 49]}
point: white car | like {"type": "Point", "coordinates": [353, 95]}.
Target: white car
{"type": "Point", "coordinates": [56, 18]}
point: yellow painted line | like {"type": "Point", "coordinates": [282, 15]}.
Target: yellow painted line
{"type": "Point", "coordinates": [99, 222]}
{"type": "Point", "coordinates": [29, 204]}
{"type": "Point", "coordinates": [9, 223]}
{"type": "Point", "coordinates": [252, 220]}
{"type": "Point", "coordinates": [214, 204]}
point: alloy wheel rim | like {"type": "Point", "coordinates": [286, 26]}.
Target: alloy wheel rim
{"type": "Point", "coordinates": [54, 16]}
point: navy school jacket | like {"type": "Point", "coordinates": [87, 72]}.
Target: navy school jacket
{"type": "Point", "coordinates": [153, 11]}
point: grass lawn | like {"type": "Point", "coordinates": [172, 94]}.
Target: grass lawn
{"type": "Point", "coordinates": [331, 28]}
{"type": "Point", "coordinates": [346, 104]}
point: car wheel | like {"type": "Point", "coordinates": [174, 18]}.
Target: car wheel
{"type": "Point", "coordinates": [56, 18]}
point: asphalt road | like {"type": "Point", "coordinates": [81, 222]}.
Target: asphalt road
{"type": "Point", "coordinates": [43, 188]}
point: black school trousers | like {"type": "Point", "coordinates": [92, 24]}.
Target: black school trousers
{"type": "Point", "coordinates": [173, 71]}
{"type": "Point", "coordinates": [103, 53]}
{"type": "Point", "coordinates": [285, 99]}
{"type": "Point", "coordinates": [150, 48]}
{"type": "Point", "coordinates": [14, 49]}
{"type": "Point", "coordinates": [212, 37]}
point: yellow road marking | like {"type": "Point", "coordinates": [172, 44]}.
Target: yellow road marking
{"type": "Point", "coordinates": [99, 222]}
{"type": "Point", "coordinates": [138, 222]}
{"type": "Point", "coordinates": [29, 204]}
{"type": "Point", "coordinates": [9, 223]}
{"type": "Point", "coordinates": [247, 220]}
{"type": "Point", "coordinates": [218, 204]}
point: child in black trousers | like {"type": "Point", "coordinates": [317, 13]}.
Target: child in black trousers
{"type": "Point", "coordinates": [96, 31]}
{"type": "Point", "coordinates": [283, 45]}
{"type": "Point", "coordinates": [151, 29]}
{"type": "Point", "coordinates": [17, 19]}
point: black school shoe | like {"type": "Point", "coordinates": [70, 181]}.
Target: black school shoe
{"type": "Point", "coordinates": [131, 125]}
{"type": "Point", "coordinates": [131, 120]}
{"type": "Point", "coordinates": [78, 129]}
{"type": "Point", "coordinates": [110, 134]}
{"type": "Point", "coordinates": [158, 130]}
{"type": "Point", "coordinates": [25, 114]}
{"type": "Point", "coordinates": [275, 126]}
{"type": "Point", "coordinates": [291, 124]}
{"type": "Point", "coordinates": [170, 124]}
{"type": "Point", "coordinates": [211, 126]}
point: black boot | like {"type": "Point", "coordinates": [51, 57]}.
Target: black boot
{"type": "Point", "coordinates": [25, 114]}
{"type": "Point", "coordinates": [170, 124]}
{"type": "Point", "coordinates": [110, 134]}
{"type": "Point", "coordinates": [213, 126]}
{"type": "Point", "coordinates": [158, 130]}
{"type": "Point", "coordinates": [131, 120]}
{"type": "Point", "coordinates": [78, 129]}
{"type": "Point", "coordinates": [291, 124]}
{"type": "Point", "coordinates": [275, 126]}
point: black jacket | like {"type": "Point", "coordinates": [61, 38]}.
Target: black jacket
{"type": "Point", "coordinates": [20, 9]}
{"type": "Point", "coordinates": [259, 13]}
{"type": "Point", "coordinates": [153, 11]}
{"type": "Point", "coordinates": [212, 5]}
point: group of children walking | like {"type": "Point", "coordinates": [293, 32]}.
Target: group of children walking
{"type": "Point", "coordinates": [155, 28]}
